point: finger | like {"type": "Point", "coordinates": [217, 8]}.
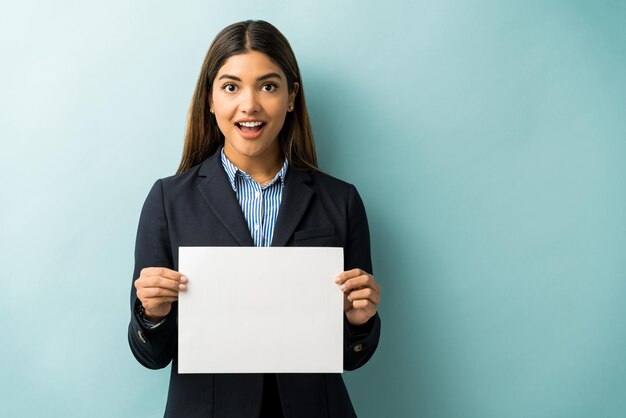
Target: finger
{"type": "Point", "coordinates": [347, 304]}
{"type": "Point", "coordinates": [364, 304]}
{"type": "Point", "coordinates": [163, 272]}
{"type": "Point", "coordinates": [362, 308]}
{"type": "Point", "coordinates": [343, 276]}
{"type": "Point", "coordinates": [367, 293]}
{"type": "Point", "coordinates": [155, 292]}
{"type": "Point", "coordinates": [156, 303]}
{"type": "Point", "coordinates": [159, 281]}
{"type": "Point", "coordinates": [358, 282]}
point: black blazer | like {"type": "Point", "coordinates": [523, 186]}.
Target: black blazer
{"type": "Point", "coordinates": [199, 208]}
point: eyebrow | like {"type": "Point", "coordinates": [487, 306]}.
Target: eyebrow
{"type": "Point", "coordinates": [263, 77]}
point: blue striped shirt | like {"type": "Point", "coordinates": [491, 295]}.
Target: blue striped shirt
{"type": "Point", "coordinates": [259, 203]}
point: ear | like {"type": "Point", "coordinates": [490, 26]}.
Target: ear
{"type": "Point", "coordinates": [294, 93]}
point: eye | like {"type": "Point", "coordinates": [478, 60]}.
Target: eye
{"type": "Point", "coordinates": [269, 87]}
{"type": "Point", "coordinates": [229, 88]}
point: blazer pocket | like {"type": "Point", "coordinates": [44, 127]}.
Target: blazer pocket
{"type": "Point", "coordinates": [314, 233]}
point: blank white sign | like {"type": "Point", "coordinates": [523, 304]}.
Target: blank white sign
{"type": "Point", "coordinates": [260, 310]}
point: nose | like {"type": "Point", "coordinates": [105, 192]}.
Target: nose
{"type": "Point", "coordinates": [249, 101]}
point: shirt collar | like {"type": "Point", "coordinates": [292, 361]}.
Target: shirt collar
{"type": "Point", "coordinates": [232, 171]}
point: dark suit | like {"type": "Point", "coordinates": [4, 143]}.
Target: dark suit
{"type": "Point", "coordinates": [199, 208]}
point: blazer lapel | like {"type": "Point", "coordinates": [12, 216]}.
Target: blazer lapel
{"type": "Point", "coordinates": [296, 197]}
{"type": "Point", "coordinates": [221, 199]}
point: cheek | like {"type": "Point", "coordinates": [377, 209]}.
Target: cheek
{"type": "Point", "coordinates": [222, 112]}
{"type": "Point", "coordinates": [224, 125]}
{"type": "Point", "coordinates": [222, 118]}
{"type": "Point", "coordinates": [279, 110]}
{"type": "Point", "coordinates": [221, 102]}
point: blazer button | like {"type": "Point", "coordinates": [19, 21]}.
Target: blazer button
{"type": "Point", "coordinates": [357, 348]}
{"type": "Point", "coordinates": [142, 337]}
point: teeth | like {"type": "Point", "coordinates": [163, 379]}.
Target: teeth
{"type": "Point", "coordinates": [250, 124]}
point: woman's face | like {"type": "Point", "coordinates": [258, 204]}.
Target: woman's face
{"type": "Point", "coordinates": [250, 89]}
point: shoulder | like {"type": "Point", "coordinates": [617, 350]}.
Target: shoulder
{"type": "Point", "coordinates": [333, 189]}
{"type": "Point", "coordinates": [328, 182]}
{"type": "Point", "coordinates": [187, 181]}
{"type": "Point", "coordinates": [173, 186]}
{"type": "Point", "coordinates": [181, 179]}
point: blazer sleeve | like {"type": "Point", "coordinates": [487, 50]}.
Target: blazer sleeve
{"type": "Point", "coordinates": [360, 342]}
{"type": "Point", "coordinates": [153, 348]}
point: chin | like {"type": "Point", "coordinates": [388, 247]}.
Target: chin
{"type": "Point", "coordinates": [253, 148]}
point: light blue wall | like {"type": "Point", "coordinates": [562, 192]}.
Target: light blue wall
{"type": "Point", "coordinates": [486, 138]}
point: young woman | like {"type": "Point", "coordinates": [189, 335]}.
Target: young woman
{"type": "Point", "coordinates": [249, 176]}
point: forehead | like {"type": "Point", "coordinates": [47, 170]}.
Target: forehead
{"type": "Point", "coordinates": [249, 65]}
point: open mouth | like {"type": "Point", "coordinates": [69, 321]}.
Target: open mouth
{"type": "Point", "coordinates": [250, 127]}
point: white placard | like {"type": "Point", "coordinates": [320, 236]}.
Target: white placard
{"type": "Point", "coordinates": [260, 310]}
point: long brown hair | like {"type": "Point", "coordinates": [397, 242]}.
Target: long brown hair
{"type": "Point", "coordinates": [203, 136]}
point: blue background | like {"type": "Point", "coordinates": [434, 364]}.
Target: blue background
{"type": "Point", "coordinates": [487, 140]}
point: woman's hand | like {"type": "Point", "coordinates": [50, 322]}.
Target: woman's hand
{"type": "Point", "coordinates": [157, 288]}
{"type": "Point", "coordinates": [361, 295]}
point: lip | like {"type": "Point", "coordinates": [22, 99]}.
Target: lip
{"type": "Point", "coordinates": [249, 120]}
{"type": "Point", "coordinates": [250, 135]}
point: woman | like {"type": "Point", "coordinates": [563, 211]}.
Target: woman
{"type": "Point", "coordinates": [249, 176]}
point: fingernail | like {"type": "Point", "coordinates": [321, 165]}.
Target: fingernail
{"type": "Point", "coordinates": [182, 287]}
{"type": "Point", "coordinates": [337, 279]}
{"type": "Point", "coordinates": [343, 287]}
{"type": "Point", "coordinates": [183, 279]}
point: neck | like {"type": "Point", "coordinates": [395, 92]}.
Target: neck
{"type": "Point", "coordinates": [261, 168]}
